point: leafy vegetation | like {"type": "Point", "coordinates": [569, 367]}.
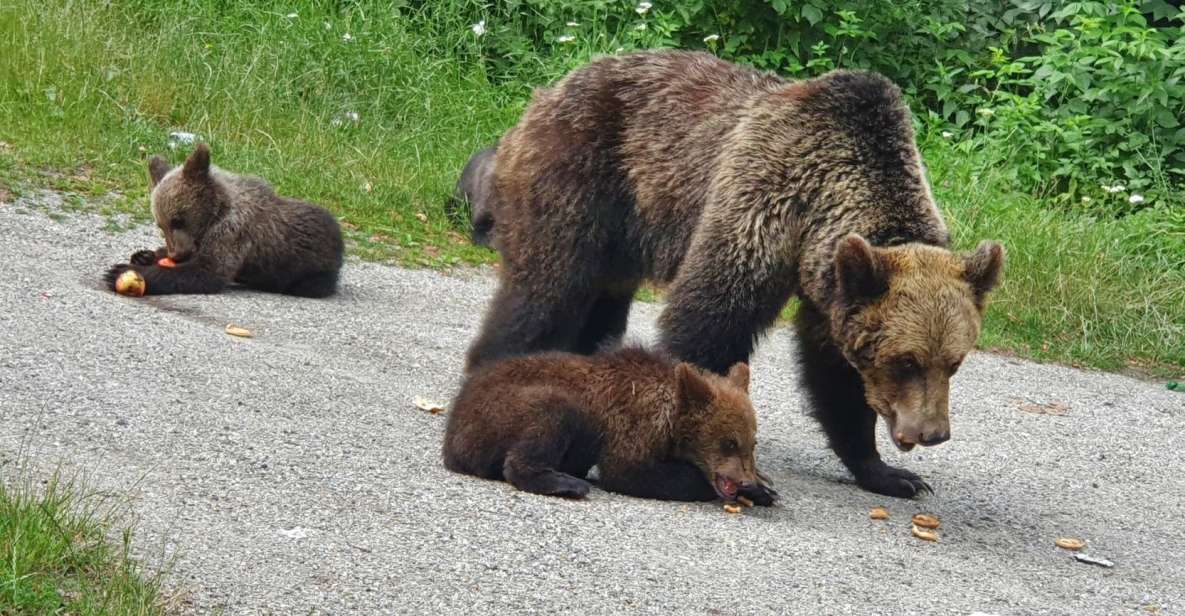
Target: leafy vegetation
{"type": "Point", "coordinates": [1052, 126]}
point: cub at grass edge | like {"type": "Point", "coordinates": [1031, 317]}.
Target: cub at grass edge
{"type": "Point", "coordinates": [654, 427]}
{"type": "Point", "coordinates": [221, 228]}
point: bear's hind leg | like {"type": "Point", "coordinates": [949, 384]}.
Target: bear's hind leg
{"type": "Point", "coordinates": [840, 407]}
{"type": "Point", "coordinates": [606, 320]}
{"type": "Point", "coordinates": [530, 467]}
{"type": "Point", "coordinates": [557, 439]}
{"type": "Point", "coordinates": [316, 285]}
{"type": "Point", "coordinates": [520, 320]}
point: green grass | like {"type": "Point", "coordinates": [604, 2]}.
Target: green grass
{"type": "Point", "coordinates": [88, 90]}
{"type": "Point", "coordinates": [57, 557]}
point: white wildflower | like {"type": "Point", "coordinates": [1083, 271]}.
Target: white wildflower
{"type": "Point", "coordinates": [985, 111]}
{"type": "Point", "coordinates": [946, 134]}
{"type": "Point", "coordinates": [292, 16]}
{"type": "Point", "coordinates": [641, 26]}
{"type": "Point", "coordinates": [1086, 200]}
{"type": "Point", "coordinates": [567, 38]}
{"type": "Point", "coordinates": [1118, 188]}
{"type": "Point", "coordinates": [177, 138]}
{"type": "Point", "coordinates": [347, 37]}
{"type": "Point", "coordinates": [1135, 199]}
{"type": "Point", "coordinates": [711, 38]}
{"type": "Point", "coordinates": [479, 28]}
{"type": "Point", "coordinates": [573, 24]}
{"type": "Point", "coordinates": [643, 7]}
{"type": "Point", "coordinates": [346, 116]}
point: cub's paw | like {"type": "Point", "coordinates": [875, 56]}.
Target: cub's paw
{"type": "Point", "coordinates": [113, 274]}
{"type": "Point", "coordinates": [892, 481]}
{"type": "Point", "coordinates": [761, 493]}
{"type": "Point", "coordinates": [143, 257]}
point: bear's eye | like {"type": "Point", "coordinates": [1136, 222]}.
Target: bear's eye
{"type": "Point", "coordinates": [177, 223]}
{"type": "Point", "coordinates": [729, 446]}
{"type": "Point", "coordinates": [906, 366]}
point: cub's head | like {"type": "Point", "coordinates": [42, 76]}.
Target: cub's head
{"type": "Point", "coordinates": [186, 201]}
{"type": "Point", "coordinates": [715, 427]}
{"type": "Point", "coordinates": [906, 318]}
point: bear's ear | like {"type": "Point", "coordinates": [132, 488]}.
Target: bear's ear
{"type": "Point", "coordinates": [693, 391]}
{"type": "Point", "coordinates": [157, 169]}
{"type": "Point", "coordinates": [739, 375]}
{"type": "Point", "coordinates": [197, 166]}
{"type": "Point", "coordinates": [982, 269]}
{"type": "Point", "coordinates": [859, 271]}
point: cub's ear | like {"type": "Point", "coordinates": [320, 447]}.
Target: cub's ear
{"type": "Point", "coordinates": [982, 269]}
{"type": "Point", "coordinates": [859, 270]}
{"type": "Point", "coordinates": [739, 375]}
{"type": "Point", "coordinates": [197, 166]}
{"type": "Point", "coordinates": [692, 389]}
{"type": "Point", "coordinates": [157, 168]}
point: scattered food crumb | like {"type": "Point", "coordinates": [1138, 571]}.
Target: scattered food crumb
{"type": "Point", "coordinates": [924, 534]}
{"type": "Point", "coordinates": [1070, 543]}
{"type": "Point", "coordinates": [732, 508]}
{"type": "Point", "coordinates": [926, 520]}
{"type": "Point", "coordinates": [1043, 408]}
{"type": "Point", "coordinates": [427, 405]}
{"type": "Point", "coordinates": [879, 513]}
{"type": "Point", "coordinates": [235, 330]}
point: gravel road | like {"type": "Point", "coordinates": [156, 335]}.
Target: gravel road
{"type": "Point", "coordinates": [290, 473]}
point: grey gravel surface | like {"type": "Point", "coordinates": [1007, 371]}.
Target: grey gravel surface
{"type": "Point", "coordinates": [291, 474]}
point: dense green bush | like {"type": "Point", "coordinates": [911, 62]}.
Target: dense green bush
{"type": "Point", "coordinates": [1078, 98]}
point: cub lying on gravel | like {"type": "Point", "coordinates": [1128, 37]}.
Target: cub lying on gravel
{"type": "Point", "coordinates": [221, 228]}
{"type": "Point", "coordinates": [654, 427]}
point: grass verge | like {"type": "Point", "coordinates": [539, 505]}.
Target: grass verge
{"type": "Point", "coordinates": [56, 556]}
{"type": "Point", "coordinates": [372, 109]}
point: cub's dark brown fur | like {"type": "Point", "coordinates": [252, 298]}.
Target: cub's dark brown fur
{"type": "Point", "coordinates": [740, 189]}
{"type": "Point", "coordinates": [222, 228]}
{"type": "Point", "coordinates": [653, 427]}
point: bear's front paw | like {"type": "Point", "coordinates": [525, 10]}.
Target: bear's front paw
{"type": "Point", "coordinates": [113, 274]}
{"type": "Point", "coordinates": [891, 481]}
{"type": "Point", "coordinates": [143, 257]}
{"type": "Point", "coordinates": [761, 493]}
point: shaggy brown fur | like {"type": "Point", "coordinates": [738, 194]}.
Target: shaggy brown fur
{"type": "Point", "coordinates": [222, 228]}
{"type": "Point", "coordinates": [653, 427]}
{"type": "Point", "coordinates": [740, 189]}
{"type": "Point", "coordinates": [472, 195]}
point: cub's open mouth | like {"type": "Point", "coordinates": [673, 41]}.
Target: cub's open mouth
{"type": "Point", "coordinates": [726, 488]}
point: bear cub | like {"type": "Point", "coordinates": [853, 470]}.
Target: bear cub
{"type": "Point", "coordinates": [654, 427]}
{"type": "Point", "coordinates": [221, 228]}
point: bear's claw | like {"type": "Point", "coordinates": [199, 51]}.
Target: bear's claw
{"type": "Point", "coordinates": [143, 257]}
{"type": "Point", "coordinates": [892, 481]}
{"type": "Point", "coordinates": [761, 494]}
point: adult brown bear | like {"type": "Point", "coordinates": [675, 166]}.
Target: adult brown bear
{"type": "Point", "coordinates": [740, 189]}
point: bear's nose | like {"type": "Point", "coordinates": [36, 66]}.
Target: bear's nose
{"type": "Point", "coordinates": [934, 438]}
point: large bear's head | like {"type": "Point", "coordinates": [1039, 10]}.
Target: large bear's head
{"type": "Point", "coordinates": [905, 318]}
